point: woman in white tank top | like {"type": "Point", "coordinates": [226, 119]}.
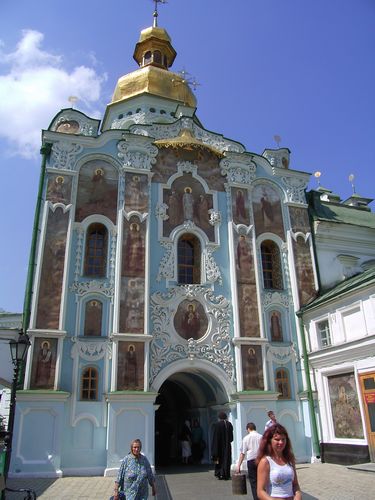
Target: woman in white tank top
{"type": "Point", "coordinates": [277, 476]}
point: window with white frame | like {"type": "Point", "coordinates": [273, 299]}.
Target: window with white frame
{"type": "Point", "coordinates": [324, 334]}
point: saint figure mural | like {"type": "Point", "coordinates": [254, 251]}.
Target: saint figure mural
{"type": "Point", "coordinates": [173, 209]}
{"type": "Point", "coordinates": [190, 320]}
{"type": "Point", "coordinates": [244, 260]}
{"type": "Point", "coordinates": [276, 330]}
{"type": "Point", "coordinates": [44, 361]}
{"type": "Point", "coordinates": [133, 258]}
{"type": "Point", "coordinates": [188, 203]}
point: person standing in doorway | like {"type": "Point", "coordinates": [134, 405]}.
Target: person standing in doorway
{"type": "Point", "coordinates": [272, 420]}
{"type": "Point", "coordinates": [249, 448]}
{"type": "Point", "coordinates": [221, 451]}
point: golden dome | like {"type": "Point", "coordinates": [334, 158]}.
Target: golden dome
{"type": "Point", "coordinates": [156, 81]}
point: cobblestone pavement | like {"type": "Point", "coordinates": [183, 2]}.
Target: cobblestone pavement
{"type": "Point", "coordinates": [318, 481]}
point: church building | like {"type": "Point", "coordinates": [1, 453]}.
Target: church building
{"type": "Point", "coordinates": [169, 267]}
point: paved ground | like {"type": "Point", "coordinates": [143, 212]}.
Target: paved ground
{"type": "Point", "coordinates": [318, 481]}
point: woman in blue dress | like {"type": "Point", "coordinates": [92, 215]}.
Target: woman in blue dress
{"type": "Point", "coordinates": [135, 475]}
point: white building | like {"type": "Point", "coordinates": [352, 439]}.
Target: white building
{"type": "Point", "coordinates": [340, 326]}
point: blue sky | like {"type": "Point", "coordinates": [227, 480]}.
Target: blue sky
{"type": "Point", "coordinates": [300, 69]}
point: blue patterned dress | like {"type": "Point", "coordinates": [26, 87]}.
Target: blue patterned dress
{"type": "Point", "coordinates": [134, 476]}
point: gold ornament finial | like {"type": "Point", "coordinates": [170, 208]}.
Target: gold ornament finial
{"type": "Point", "coordinates": [155, 14]}
{"type": "Point", "coordinates": [351, 180]}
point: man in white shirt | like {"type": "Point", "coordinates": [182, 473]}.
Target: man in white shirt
{"type": "Point", "coordinates": [249, 447]}
{"type": "Point", "coordinates": [271, 421]}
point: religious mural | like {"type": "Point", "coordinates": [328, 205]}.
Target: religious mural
{"type": "Point", "coordinates": [68, 127]}
{"type": "Point", "coordinates": [59, 188]}
{"type": "Point", "coordinates": [43, 363]}
{"type": "Point", "coordinates": [244, 258]}
{"type": "Point", "coordinates": [299, 220]}
{"type": "Point", "coordinates": [304, 271]}
{"type": "Point", "coordinates": [240, 206]}
{"type": "Point", "coordinates": [276, 328]}
{"type": "Point", "coordinates": [130, 363]}
{"type": "Point", "coordinates": [136, 192]}
{"type": "Point", "coordinates": [267, 210]}
{"type": "Point", "coordinates": [97, 191]}
{"type": "Point", "coordinates": [187, 201]}
{"type": "Point", "coordinates": [48, 310]}
{"type": "Point", "coordinates": [93, 318]}
{"type": "Point", "coordinates": [133, 249]}
{"type": "Point", "coordinates": [207, 163]}
{"type": "Point", "coordinates": [248, 310]}
{"type": "Point", "coordinates": [252, 370]}
{"type": "Point", "coordinates": [190, 320]}
{"type": "Point", "coordinates": [132, 302]}
{"type": "Point", "coordinates": [345, 409]}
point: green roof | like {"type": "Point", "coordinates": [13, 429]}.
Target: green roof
{"type": "Point", "coordinates": [356, 282]}
{"type": "Point", "coordinates": [337, 212]}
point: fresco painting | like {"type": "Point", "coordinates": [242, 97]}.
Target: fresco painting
{"type": "Point", "coordinates": [304, 271]}
{"type": "Point", "coordinates": [97, 191]}
{"type": "Point", "coordinates": [48, 310]}
{"type": "Point", "coordinates": [252, 367]}
{"type": "Point", "coordinates": [190, 320]}
{"type": "Point", "coordinates": [244, 258]}
{"type": "Point", "coordinates": [207, 166]}
{"type": "Point", "coordinates": [43, 363]}
{"type": "Point", "coordinates": [133, 249]}
{"type": "Point", "coordinates": [240, 206]}
{"type": "Point", "coordinates": [276, 328]}
{"type": "Point", "coordinates": [132, 302]}
{"type": "Point", "coordinates": [248, 310]}
{"type": "Point", "coordinates": [187, 201]}
{"type": "Point", "coordinates": [346, 415]}
{"type": "Point", "coordinates": [136, 192]}
{"type": "Point", "coordinates": [59, 188]}
{"type": "Point", "coordinates": [130, 375]}
{"type": "Point", "coordinates": [93, 318]}
{"type": "Point", "coordinates": [299, 220]}
{"type": "Point", "coordinates": [267, 210]}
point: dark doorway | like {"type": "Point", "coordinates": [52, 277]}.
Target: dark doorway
{"type": "Point", "coordinates": [184, 396]}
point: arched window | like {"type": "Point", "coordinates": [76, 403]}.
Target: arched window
{"type": "Point", "coordinates": [271, 265]}
{"type": "Point", "coordinates": [189, 259]}
{"type": "Point", "coordinates": [147, 57]}
{"type": "Point", "coordinates": [157, 56]}
{"type": "Point", "coordinates": [96, 250]}
{"type": "Point", "coordinates": [93, 318]}
{"type": "Point", "coordinates": [282, 384]}
{"type": "Point", "coordinates": [89, 384]}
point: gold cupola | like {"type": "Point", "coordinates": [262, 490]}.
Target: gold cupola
{"type": "Point", "coordinates": [155, 54]}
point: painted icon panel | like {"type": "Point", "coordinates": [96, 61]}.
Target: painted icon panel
{"type": "Point", "coordinates": [299, 220]}
{"type": "Point", "coordinates": [93, 318]}
{"type": "Point", "coordinates": [252, 370]}
{"type": "Point", "coordinates": [276, 328]}
{"type": "Point", "coordinates": [267, 210]}
{"type": "Point", "coordinates": [59, 188]}
{"type": "Point", "coordinates": [304, 271]}
{"type": "Point", "coordinates": [190, 320]}
{"type": "Point", "coordinates": [136, 192]}
{"type": "Point", "coordinates": [346, 414]}
{"type": "Point", "coordinates": [43, 363]}
{"type": "Point", "coordinates": [248, 311]}
{"type": "Point", "coordinates": [97, 191]}
{"type": "Point", "coordinates": [130, 367]}
{"type": "Point", "coordinates": [50, 288]}
{"type": "Point", "coordinates": [240, 206]}
{"type": "Point", "coordinates": [132, 301]}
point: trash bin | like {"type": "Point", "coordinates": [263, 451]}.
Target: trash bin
{"type": "Point", "coordinates": [239, 484]}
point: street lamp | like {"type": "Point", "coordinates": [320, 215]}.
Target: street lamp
{"type": "Point", "coordinates": [18, 351]}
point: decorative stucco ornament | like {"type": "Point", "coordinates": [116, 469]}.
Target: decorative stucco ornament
{"type": "Point", "coordinates": [238, 168]}
{"type": "Point", "coordinates": [64, 154]}
{"type": "Point", "coordinates": [295, 188]}
{"type": "Point", "coordinates": [137, 153]}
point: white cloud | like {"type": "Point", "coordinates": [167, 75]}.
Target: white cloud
{"type": "Point", "coordinates": [35, 87]}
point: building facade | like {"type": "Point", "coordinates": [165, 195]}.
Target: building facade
{"type": "Point", "coordinates": [170, 264]}
{"type": "Point", "coordinates": [340, 326]}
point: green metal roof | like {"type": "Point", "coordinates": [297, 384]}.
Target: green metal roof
{"type": "Point", "coordinates": [337, 212]}
{"type": "Point", "coordinates": [356, 282]}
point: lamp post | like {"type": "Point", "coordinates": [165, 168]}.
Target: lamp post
{"type": "Point", "coordinates": [18, 351]}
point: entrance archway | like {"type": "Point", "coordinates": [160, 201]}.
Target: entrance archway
{"type": "Point", "coordinates": [185, 395]}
